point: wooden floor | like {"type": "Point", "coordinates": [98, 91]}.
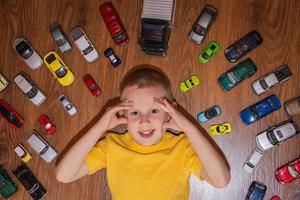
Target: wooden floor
{"type": "Point", "coordinates": [277, 21]}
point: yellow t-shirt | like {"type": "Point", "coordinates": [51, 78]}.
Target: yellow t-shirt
{"type": "Point", "coordinates": [157, 172]}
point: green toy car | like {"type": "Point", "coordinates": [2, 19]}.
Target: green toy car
{"type": "Point", "coordinates": [7, 187]}
{"type": "Point", "coordinates": [211, 49]}
{"type": "Point", "coordinates": [189, 83]}
{"type": "Point", "coordinates": [236, 74]}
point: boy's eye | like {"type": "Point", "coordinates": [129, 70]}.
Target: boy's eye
{"type": "Point", "coordinates": [154, 111]}
{"type": "Point", "coordinates": [134, 113]}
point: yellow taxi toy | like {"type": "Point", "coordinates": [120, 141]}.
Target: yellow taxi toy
{"type": "Point", "coordinates": [22, 153]}
{"type": "Point", "coordinates": [218, 129]}
{"type": "Point", "coordinates": [189, 83]}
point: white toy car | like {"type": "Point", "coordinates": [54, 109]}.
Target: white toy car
{"type": "Point", "coordinates": [276, 77]}
{"type": "Point", "coordinates": [41, 146]}
{"type": "Point", "coordinates": [60, 38]}
{"type": "Point", "coordinates": [253, 160]}
{"type": "Point", "coordinates": [30, 89]}
{"type": "Point", "coordinates": [27, 53]}
{"type": "Point", "coordinates": [84, 44]}
{"type": "Point", "coordinates": [67, 104]}
{"type": "Point", "coordinates": [276, 134]}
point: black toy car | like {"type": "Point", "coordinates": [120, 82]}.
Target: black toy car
{"type": "Point", "coordinates": [30, 182]}
{"type": "Point", "coordinates": [256, 191]}
{"type": "Point", "coordinates": [7, 187]}
{"type": "Point", "coordinates": [155, 36]}
{"type": "Point", "coordinates": [241, 47]}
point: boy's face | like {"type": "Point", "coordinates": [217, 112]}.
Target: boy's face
{"type": "Point", "coordinates": [145, 118]}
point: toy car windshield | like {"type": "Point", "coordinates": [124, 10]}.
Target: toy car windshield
{"type": "Point", "coordinates": [61, 72]}
{"type": "Point", "coordinates": [50, 58]}
{"type": "Point", "coordinates": [120, 36]}
{"type": "Point", "coordinates": [153, 32]}
{"type": "Point", "coordinates": [9, 116]}
{"type": "Point", "coordinates": [32, 92]}
{"type": "Point", "coordinates": [24, 49]}
{"type": "Point", "coordinates": [200, 30]}
{"type": "Point", "coordinates": [87, 50]}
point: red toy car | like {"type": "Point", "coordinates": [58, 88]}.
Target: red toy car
{"type": "Point", "coordinates": [113, 23]}
{"type": "Point", "coordinates": [288, 172]}
{"type": "Point", "coordinates": [47, 124]}
{"type": "Point", "coordinates": [275, 198]}
{"type": "Point", "coordinates": [10, 114]}
{"type": "Point", "coordinates": [91, 85]}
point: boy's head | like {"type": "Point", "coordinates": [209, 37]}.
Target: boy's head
{"type": "Point", "coordinates": [142, 86]}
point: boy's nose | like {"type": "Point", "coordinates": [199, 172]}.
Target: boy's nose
{"type": "Point", "coordinates": [144, 119]}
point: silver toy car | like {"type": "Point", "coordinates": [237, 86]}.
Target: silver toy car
{"type": "Point", "coordinates": [253, 160]}
{"type": "Point", "coordinates": [292, 106]}
{"type": "Point", "coordinates": [60, 38]}
{"type": "Point", "coordinates": [67, 104]}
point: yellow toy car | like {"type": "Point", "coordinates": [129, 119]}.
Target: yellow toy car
{"type": "Point", "coordinates": [189, 83]}
{"type": "Point", "coordinates": [3, 82]}
{"type": "Point", "coordinates": [58, 68]}
{"type": "Point", "coordinates": [22, 153]}
{"type": "Point", "coordinates": [218, 129]}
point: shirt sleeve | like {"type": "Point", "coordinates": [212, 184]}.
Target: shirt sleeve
{"type": "Point", "coordinates": [96, 158]}
{"type": "Point", "coordinates": [193, 161]}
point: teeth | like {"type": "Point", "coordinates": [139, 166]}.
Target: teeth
{"type": "Point", "coordinates": [146, 131]}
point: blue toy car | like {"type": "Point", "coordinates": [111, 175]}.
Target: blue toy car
{"type": "Point", "coordinates": [209, 114]}
{"type": "Point", "coordinates": [260, 109]}
{"type": "Point", "coordinates": [113, 58]}
{"type": "Point", "coordinates": [256, 191]}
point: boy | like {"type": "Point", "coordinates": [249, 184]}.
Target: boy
{"type": "Point", "coordinates": [146, 162]}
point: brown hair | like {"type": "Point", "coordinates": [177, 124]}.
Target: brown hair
{"type": "Point", "coordinates": [146, 76]}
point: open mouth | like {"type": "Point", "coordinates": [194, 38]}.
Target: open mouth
{"type": "Point", "coordinates": [146, 133]}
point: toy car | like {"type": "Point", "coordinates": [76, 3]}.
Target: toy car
{"type": "Point", "coordinates": [276, 77]}
{"type": "Point", "coordinates": [276, 134]}
{"type": "Point", "coordinates": [218, 129]}
{"type": "Point", "coordinates": [253, 160]}
{"type": "Point", "coordinates": [23, 153]}
{"type": "Point", "coordinates": [58, 68]}
{"type": "Point", "coordinates": [236, 74]}
{"type": "Point", "coordinates": [244, 45]}
{"type": "Point", "coordinates": [3, 82]}
{"type": "Point", "coordinates": [113, 58]}
{"type": "Point", "coordinates": [84, 44]}
{"type": "Point", "coordinates": [292, 106]}
{"type": "Point", "coordinates": [260, 109]}
{"type": "Point", "coordinates": [29, 88]}
{"type": "Point", "coordinates": [27, 53]}
{"type": "Point", "coordinates": [275, 198]}
{"type": "Point", "coordinates": [288, 172]}
{"type": "Point", "coordinates": [209, 114]}
{"type": "Point", "coordinates": [113, 23]}
{"type": "Point", "coordinates": [189, 83]}
{"type": "Point", "coordinates": [7, 186]}
{"type": "Point", "coordinates": [211, 49]}
{"type": "Point", "coordinates": [67, 104]}
{"type": "Point", "coordinates": [30, 182]}
{"type": "Point", "coordinates": [91, 85]}
{"type": "Point", "coordinates": [60, 38]}
{"type": "Point", "coordinates": [47, 124]}
{"type": "Point", "coordinates": [204, 21]}
{"type": "Point", "coordinates": [10, 114]}
{"type": "Point", "coordinates": [256, 191]}
{"type": "Point", "coordinates": [41, 146]}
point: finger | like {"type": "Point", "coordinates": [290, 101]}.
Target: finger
{"type": "Point", "coordinates": [162, 106]}
{"type": "Point", "coordinates": [169, 106]}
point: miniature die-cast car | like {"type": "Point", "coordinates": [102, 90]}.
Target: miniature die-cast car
{"type": "Point", "coordinates": [256, 191]}
{"type": "Point", "coordinates": [113, 23]}
{"type": "Point", "coordinates": [84, 44]}
{"type": "Point", "coordinates": [27, 53]}
{"type": "Point", "coordinates": [260, 109]}
{"type": "Point", "coordinates": [204, 21]}
{"type": "Point", "coordinates": [60, 38]}
{"type": "Point", "coordinates": [47, 124]}
{"type": "Point", "coordinates": [218, 129]}
{"type": "Point", "coordinates": [30, 182]}
{"type": "Point", "coordinates": [67, 105]}
{"type": "Point", "coordinates": [41, 146]}
{"type": "Point", "coordinates": [7, 187]}
{"type": "Point", "coordinates": [276, 77]}
{"type": "Point", "coordinates": [292, 106]}
{"type": "Point", "coordinates": [113, 58]}
{"type": "Point", "coordinates": [23, 153]}
{"type": "Point", "coordinates": [275, 198]}
{"type": "Point", "coordinates": [209, 114]}
{"type": "Point", "coordinates": [10, 114]}
{"type": "Point", "coordinates": [276, 134]}
{"type": "Point", "coordinates": [91, 85]}
{"type": "Point", "coordinates": [244, 45]}
{"type": "Point", "coordinates": [58, 68]}
{"type": "Point", "coordinates": [288, 172]}
{"type": "Point", "coordinates": [236, 74]}
{"type": "Point", "coordinates": [252, 160]}
{"type": "Point", "coordinates": [189, 83]}
{"type": "Point", "coordinates": [211, 49]}
{"type": "Point", "coordinates": [29, 88]}
{"type": "Point", "coordinates": [3, 82]}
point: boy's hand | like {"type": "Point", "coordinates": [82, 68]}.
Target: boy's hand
{"type": "Point", "coordinates": [112, 117]}
{"type": "Point", "coordinates": [177, 121]}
